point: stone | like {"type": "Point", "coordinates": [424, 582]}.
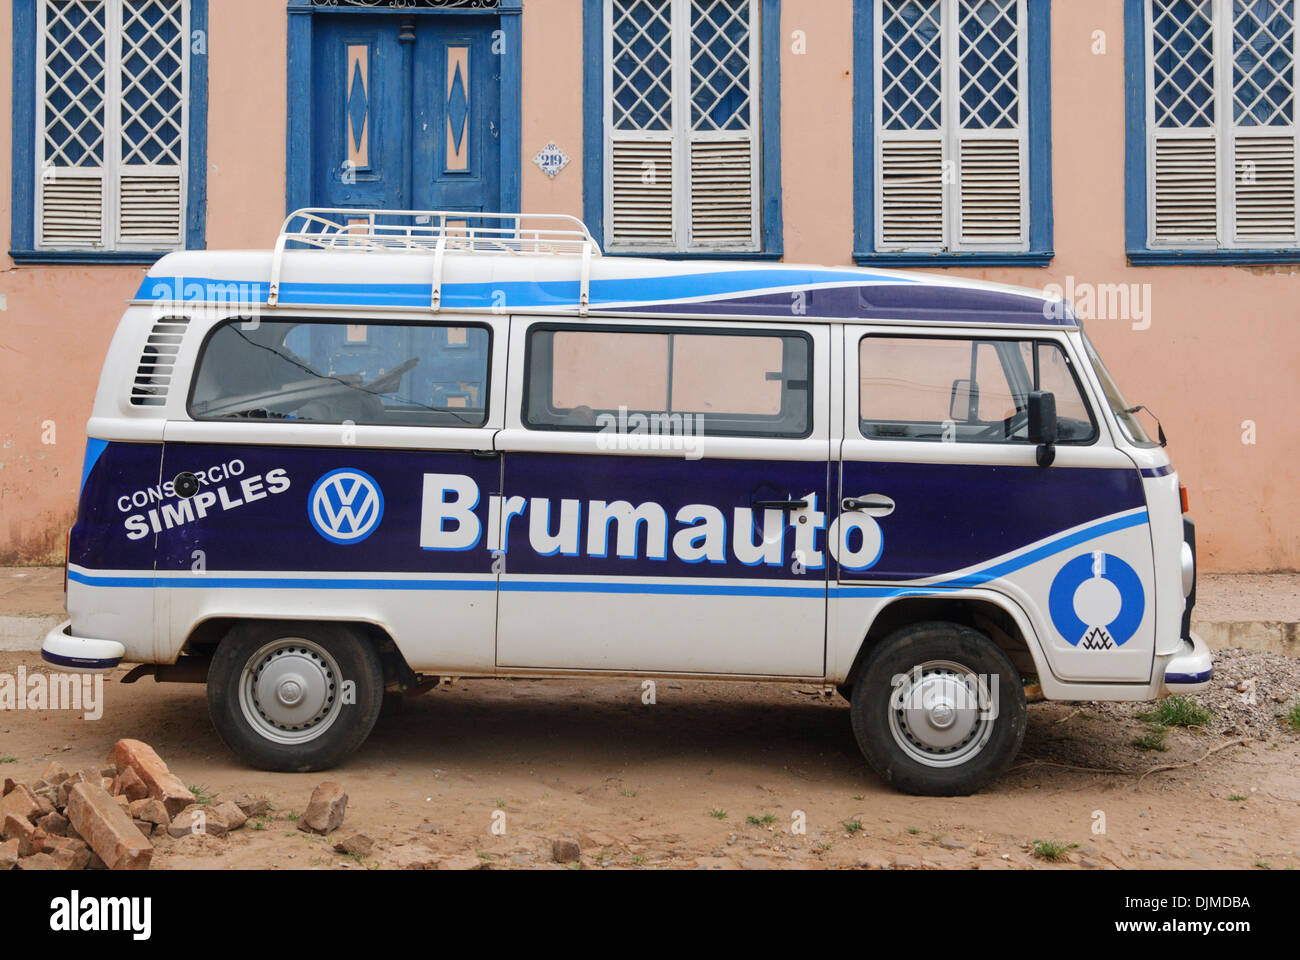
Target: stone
{"type": "Point", "coordinates": [151, 811]}
{"type": "Point", "coordinates": [10, 783]}
{"type": "Point", "coordinates": [122, 801]}
{"type": "Point", "coordinates": [54, 824]}
{"type": "Point", "coordinates": [39, 861]}
{"type": "Point", "coordinates": [162, 783]}
{"type": "Point", "coordinates": [565, 851]}
{"type": "Point", "coordinates": [71, 854]}
{"type": "Point", "coordinates": [357, 845]}
{"type": "Point", "coordinates": [411, 857]}
{"type": "Point", "coordinates": [231, 814]}
{"type": "Point", "coordinates": [107, 829]}
{"type": "Point", "coordinates": [197, 818]}
{"type": "Point", "coordinates": [110, 771]}
{"type": "Point", "coordinates": [55, 774]}
{"type": "Point", "coordinates": [466, 861]}
{"type": "Point", "coordinates": [8, 855]}
{"type": "Point", "coordinates": [19, 802]}
{"type": "Point", "coordinates": [66, 786]}
{"type": "Point", "coordinates": [24, 832]}
{"type": "Point", "coordinates": [903, 861]}
{"type": "Point", "coordinates": [144, 826]}
{"type": "Point", "coordinates": [326, 810]}
{"type": "Point", "coordinates": [128, 784]}
{"type": "Point", "coordinates": [253, 807]}
{"type": "Point", "coordinates": [431, 828]}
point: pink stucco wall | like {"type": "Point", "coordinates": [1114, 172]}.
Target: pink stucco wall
{"type": "Point", "coordinates": [1221, 348]}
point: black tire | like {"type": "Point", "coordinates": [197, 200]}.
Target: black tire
{"type": "Point", "coordinates": [969, 767]}
{"type": "Point", "coordinates": [346, 715]}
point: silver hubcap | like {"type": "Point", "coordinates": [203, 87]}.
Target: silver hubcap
{"type": "Point", "coordinates": [289, 691]}
{"type": "Point", "coordinates": [941, 714]}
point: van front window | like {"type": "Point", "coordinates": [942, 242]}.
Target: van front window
{"type": "Point", "coordinates": [1128, 420]}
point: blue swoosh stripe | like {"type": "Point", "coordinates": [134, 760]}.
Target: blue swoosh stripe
{"type": "Point", "coordinates": [698, 588]}
{"type": "Point", "coordinates": [697, 286]}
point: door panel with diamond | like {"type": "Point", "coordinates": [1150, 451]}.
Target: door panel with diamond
{"type": "Point", "coordinates": [406, 113]}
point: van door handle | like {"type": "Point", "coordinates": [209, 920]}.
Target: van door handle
{"type": "Point", "coordinates": [875, 505]}
{"type": "Point", "coordinates": [780, 504]}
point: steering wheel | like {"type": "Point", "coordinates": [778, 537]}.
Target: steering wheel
{"type": "Point", "coordinates": [391, 380]}
{"type": "Point", "coordinates": [1004, 429]}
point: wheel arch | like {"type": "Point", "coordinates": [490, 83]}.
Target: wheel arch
{"type": "Point", "coordinates": [206, 635]}
{"type": "Point", "coordinates": [999, 618]}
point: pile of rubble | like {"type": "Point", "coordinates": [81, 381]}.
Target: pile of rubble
{"type": "Point", "coordinates": [103, 819]}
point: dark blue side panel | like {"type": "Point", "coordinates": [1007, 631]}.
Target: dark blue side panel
{"type": "Point", "coordinates": [952, 516]}
{"type": "Point", "coordinates": [117, 477]}
{"type": "Point", "coordinates": [672, 482]}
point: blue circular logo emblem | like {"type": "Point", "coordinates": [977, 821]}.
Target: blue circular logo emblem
{"type": "Point", "coordinates": [345, 506]}
{"type": "Point", "coordinates": [1096, 601]}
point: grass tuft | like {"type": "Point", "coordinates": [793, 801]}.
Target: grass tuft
{"type": "Point", "coordinates": [1051, 850]}
{"type": "Point", "coordinates": [1177, 711]}
{"type": "Point", "coordinates": [1154, 740]}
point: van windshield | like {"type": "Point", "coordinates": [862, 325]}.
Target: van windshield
{"type": "Point", "coordinates": [1119, 406]}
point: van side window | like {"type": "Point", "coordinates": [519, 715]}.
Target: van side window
{"type": "Point", "coordinates": [729, 383]}
{"type": "Point", "coordinates": [960, 390]}
{"type": "Point", "coordinates": [318, 371]}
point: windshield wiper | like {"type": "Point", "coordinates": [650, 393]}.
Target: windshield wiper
{"type": "Point", "coordinates": [1160, 431]}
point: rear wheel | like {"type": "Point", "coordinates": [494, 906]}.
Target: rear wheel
{"type": "Point", "coordinates": [938, 710]}
{"type": "Point", "coordinates": [291, 696]}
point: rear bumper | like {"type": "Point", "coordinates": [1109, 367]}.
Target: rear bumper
{"type": "Point", "coordinates": [1191, 668]}
{"type": "Point", "coordinates": [80, 654]}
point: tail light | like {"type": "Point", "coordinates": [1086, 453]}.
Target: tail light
{"type": "Point", "coordinates": [1182, 496]}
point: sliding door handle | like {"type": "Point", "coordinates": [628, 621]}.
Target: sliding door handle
{"type": "Point", "coordinates": [875, 505]}
{"type": "Point", "coordinates": [780, 505]}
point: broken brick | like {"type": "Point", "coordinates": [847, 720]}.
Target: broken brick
{"type": "Point", "coordinates": [197, 818]}
{"type": "Point", "coordinates": [39, 861]}
{"type": "Point", "coordinates": [19, 802]}
{"type": "Point", "coordinates": [253, 807]}
{"type": "Point", "coordinates": [8, 855]}
{"type": "Point", "coordinates": [128, 784]}
{"type": "Point", "coordinates": [55, 824]}
{"type": "Point", "coordinates": [326, 810]}
{"type": "Point", "coordinates": [150, 811]}
{"type": "Point", "coordinates": [55, 774]}
{"type": "Point", "coordinates": [229, 812]}
{"type": "Point", "coordinates": [108, 829]}
{"type": "Point", "coordinates": [162, 783]}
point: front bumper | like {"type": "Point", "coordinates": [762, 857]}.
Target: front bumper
{"type": "Point", "coordinates": [1190, 669]}
{"type": "Point", "coordinates": [80, 654]}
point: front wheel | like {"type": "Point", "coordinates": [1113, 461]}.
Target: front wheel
{"type": "Point", "coordinates": [938, 710]}
{"type": "Point", "coordinates": [294, 697]}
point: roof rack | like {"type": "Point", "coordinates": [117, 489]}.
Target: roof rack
{"type": "Point", "coordinates": [437, 232]}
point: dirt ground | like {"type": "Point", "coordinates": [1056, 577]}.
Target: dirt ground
{"type": "Point", "coordinates": [675, 784]}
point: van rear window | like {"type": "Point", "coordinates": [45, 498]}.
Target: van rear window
{"type": "Point", "coordinates": [319, 371]}
{"type": "Point", "coordinates": [729, 383]}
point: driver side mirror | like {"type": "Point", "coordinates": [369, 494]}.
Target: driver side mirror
{"type": "Point", "coordinates": [964, 401]}
{"type": "Point", "coordinates": [1043, 429]}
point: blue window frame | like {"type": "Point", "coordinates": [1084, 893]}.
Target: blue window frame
{"type": "Point", "coordinates": [681, 127]}
{"type": "Point", "coordinates": [1211, 131]}
{"type": "Point", "coordinates": [109, 129]}
{"type": "Point", "coordinates": [952, 132]}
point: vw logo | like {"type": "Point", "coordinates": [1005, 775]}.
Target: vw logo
{"type": "Point", "coordinates": [345, 506]}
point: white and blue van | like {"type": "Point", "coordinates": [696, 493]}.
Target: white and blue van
{"type": "Point", "coordinates": [409, 445]}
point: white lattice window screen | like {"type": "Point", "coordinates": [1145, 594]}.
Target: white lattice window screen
{"type": "Point", "coordinates": [682, 124]}
{"type": "Point", "coordinates": [1221, 123]}
{"type": "Point", "coordinates": [112, 92]}
{"type": "Point", "coordinates": [951, 124]}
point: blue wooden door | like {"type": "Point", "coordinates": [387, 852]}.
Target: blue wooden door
{"type": "Point", "coordinates": [406, 113]}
